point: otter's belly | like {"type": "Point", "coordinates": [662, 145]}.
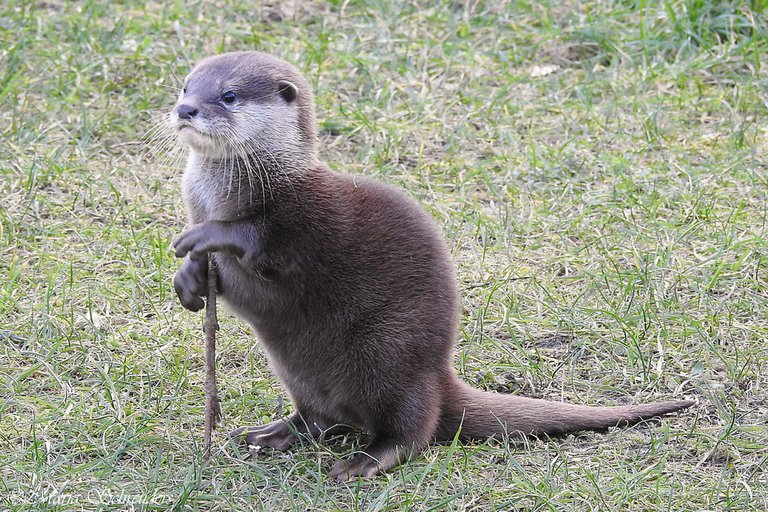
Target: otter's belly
{"type": "Point", "coordinates": [299, 345]}
{"type": "Point", "coordinates": [315, 388]}
{"type": "Point", "coordinates": [245, 294]}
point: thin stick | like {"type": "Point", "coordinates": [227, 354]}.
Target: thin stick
{"type": "Point", "coordinates": [210, 326]}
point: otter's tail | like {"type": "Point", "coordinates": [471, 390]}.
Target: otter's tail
{"type": "Point", "coordinates": [481, 415]}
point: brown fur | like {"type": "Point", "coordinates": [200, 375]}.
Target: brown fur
{"type": "Point", "coordinates": [347, 282]}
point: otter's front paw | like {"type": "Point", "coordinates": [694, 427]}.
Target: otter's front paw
{"type": "Point", "coordinates": [191, 283]}
{"type": "Point", "coordinates": [240, 239]}
{"type": "Point", "coordinates": [206, 237]}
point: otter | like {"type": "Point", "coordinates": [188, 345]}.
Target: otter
{"type": "Point", "coordinates": [347, 282]}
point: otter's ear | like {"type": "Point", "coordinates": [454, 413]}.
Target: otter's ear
{"type": "Point", "coordinates": [287, 90]}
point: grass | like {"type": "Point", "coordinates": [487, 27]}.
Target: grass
{"type": "Point", "coordinates": [598, 167]}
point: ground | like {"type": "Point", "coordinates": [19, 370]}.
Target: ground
{"type": "Point", "coordinates": [599, 170]}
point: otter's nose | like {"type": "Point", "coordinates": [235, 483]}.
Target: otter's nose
{"type": "Point", "coordinates": [186, 112]}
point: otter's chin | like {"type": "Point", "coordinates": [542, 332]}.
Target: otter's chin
{"type": "Point", "coordinates": [200, 142]}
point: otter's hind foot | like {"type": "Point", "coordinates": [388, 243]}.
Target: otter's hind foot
{"type": "Point", "coordinates": [380, 455]}
{"type": "Point", "coordinates": [278, 435]}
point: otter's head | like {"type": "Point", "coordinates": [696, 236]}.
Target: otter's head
{"type": "Point", "coordinates": [246, 103]}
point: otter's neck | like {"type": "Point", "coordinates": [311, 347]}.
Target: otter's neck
{"type": "Point", "coordinates": [233, 187]}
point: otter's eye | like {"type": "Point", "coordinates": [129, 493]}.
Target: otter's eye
{"type": "Point", "coordinates": [228, 97]}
